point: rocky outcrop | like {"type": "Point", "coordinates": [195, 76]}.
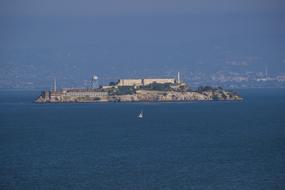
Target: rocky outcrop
{"type": "Point", "coordinates": [151, 96]}
{"type": "Point", "coordinates": [145, 96]}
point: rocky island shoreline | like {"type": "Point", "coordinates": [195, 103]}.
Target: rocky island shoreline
{"type": "Point", "coordinates": [139, 90]}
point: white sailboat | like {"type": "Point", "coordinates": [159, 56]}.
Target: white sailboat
{"type": "Point", "coordinates": [140, 115]}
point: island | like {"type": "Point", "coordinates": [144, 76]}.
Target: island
{"type": "Point", "coordinates": [138, 90]}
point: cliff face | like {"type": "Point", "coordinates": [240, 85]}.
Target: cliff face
{"type": "Point", "coordinates": [151, 96]}
{"type": "Point", "coordinates": [144, 96]}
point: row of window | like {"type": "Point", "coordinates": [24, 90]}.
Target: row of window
{"type": "Point", "coordinates": [90, 94]}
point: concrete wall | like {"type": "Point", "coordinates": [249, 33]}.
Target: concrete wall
{"type": "Point", "coordinates": [140, 82]}
{"type": "Point", "coordinates": [160, 81]}
{"type": "Point", "coordinates": [130, 82]}
{"type": "Point", "coordinates": [86, 93]}
{"type": "Point", "coordinates": [54, 94]}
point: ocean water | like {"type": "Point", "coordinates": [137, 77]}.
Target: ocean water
{"type": "Point", "coordinates": [199, 145]}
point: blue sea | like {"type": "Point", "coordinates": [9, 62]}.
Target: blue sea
{"type": "Point", "coordinates": [176, 146]}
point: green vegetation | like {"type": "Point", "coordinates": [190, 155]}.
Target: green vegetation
{"type": "Point", "coordinates": [97, 98]}
{"type": "Point", "coordinates": [209, 88]}
{"type": "Point", "coordinates": [128, 90]}
{"type": "Point", "coordinates": [112, 83]}
{"type": "Point", "coordinates": [157, 86]}
{"type": "Point", "coordinates": [224, 95]}
{"type": "Point", "coordinates": [124, 90]}
{"type": "Point", "coordinates": [184, 88]}
{"type": "Point", "coordinates": [216, 97]}
{"type": "Point", "coordinates": [218, 92]}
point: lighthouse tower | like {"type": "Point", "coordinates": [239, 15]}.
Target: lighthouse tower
{"type": "Point", "coordinates": [178, 78]}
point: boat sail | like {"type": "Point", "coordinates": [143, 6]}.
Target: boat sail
{"type": "Point", "coordinates": [140, 115]}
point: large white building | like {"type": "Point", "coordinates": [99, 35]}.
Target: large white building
{"type": "Point", "coordinates": [160, 81]}
{"type": "Point", "coordinates": [130, 82]}
{"type": "Point", "coordinates": [142, 82]}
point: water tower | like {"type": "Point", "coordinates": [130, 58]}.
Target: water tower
{"type": "Point", "coordinates": [94, 82]}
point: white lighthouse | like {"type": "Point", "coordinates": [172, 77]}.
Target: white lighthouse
{"type": "Point", "coordinates": [178, 78]}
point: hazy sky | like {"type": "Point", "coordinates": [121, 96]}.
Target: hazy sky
{"type": "Point", "coordinates": [94, 7]}
{"type": "Point", "coordinates": [73, 39]}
